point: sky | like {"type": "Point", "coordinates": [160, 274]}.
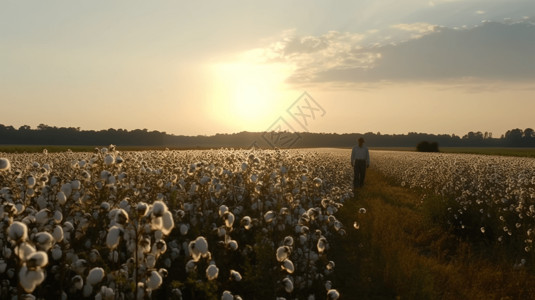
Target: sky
{"type": "Point", "coordinates": [207, 67]}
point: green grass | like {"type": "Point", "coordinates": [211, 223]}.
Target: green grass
{"type": "Point", "coordinates": [402, 250]}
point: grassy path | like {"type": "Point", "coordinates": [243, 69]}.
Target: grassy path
{"type": "Point", "coordinates": [399, 253]}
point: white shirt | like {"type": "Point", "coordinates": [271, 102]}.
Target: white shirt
{"type": "Point", "coordinates": [360, 153]}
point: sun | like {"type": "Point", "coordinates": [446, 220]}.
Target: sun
{"type": "Point", "coordinates": [247, 96]}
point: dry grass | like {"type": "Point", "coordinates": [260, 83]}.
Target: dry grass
{"type": "Point", "coordinates": [399, 252]}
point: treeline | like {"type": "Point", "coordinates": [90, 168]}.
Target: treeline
{"type": "Point", "coordinates": [48, 135]}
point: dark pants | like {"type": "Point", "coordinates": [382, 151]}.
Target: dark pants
{"type": "Point", "coordinates": [360, 172]}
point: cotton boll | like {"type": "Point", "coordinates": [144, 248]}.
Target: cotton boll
{"type": "Point", "coordinates": [120, 216]}
{"type": "Point", "coordinates": [233, 245]}
{"type": "Point", "coordinates": [269, 216]}
{"type": "Point", "coordinates": [191, 266]}
{"type": "Point", "coordinates": [88, 290]}
{"type": "Point", "coordinates": [288, 241]}
{"type": "Point", "coordinates": [221, 231]}
{"type": "Point", "coordinates": [61, 198]}
{"type": "Point", "coordinates": [235, 275]}
{"type": "Point", "coordinates": [227, 295]}
{"type": "Point", "coordinates": [58, 216]}
{"type": "Point", "coordinates": [56, 252]}
{"type": "Point", "coordinates": [111, 180]}
{"type": "Point", "coordinates": [76, 184]}
{"type": "Point", "coordinates": [77, 282]}
{"type": "Point", "coordinates": [194, 252]}
{"type": "Point", "coordinates": [333, 294]}
{"type": "Point", "coordinates": [328, 285]}
{"type": "Point", "coordinates": [158, 208]}
{"type": "Point", "coordinates": [246, 222]}
{"type": "Point", "coordinates": [5, 164]}
{"type": "Point", "coordinates": [329, 267]}
{"type": "Point", "coordinates": [105, 293]}
{"type": "Point", "coordinates": [282, 253]}
{"type": "Point", "coordinates": [57, 233]}
{"type": "Point", "coordinates": [109, 159]}
{"type": "Point", "coordinates": [184, 229]}
{"type": "Point", "coordinates": [154, 281]}
{"type": "Point", "coordinates": [156, 224]}
{"type": "Point", "coordinates": [167, 222]}
{"type": "Point", "coordinates": [222, 210]}
{"type": "Point", "coordinates": [201, 244]}
{"type": "Point", "coordinates": [23, 250]}
{"type": "Point", "coordinates": [150, 261]}
{"type": "Point", "coordinates": [17, 231]}
{"type": "Point", "coordinates": [19, 208]}
{"type": "Point", "coordinates": [30, 279]}
{"type": "Point", "coordinates": [229, 219]}
{"type": "Point", "coordinates": [94, 256]}
{"type": "Point", "coordinates": [159, 247]}
{"type": "Point", "coordinates": [37, 259]}
{"type": "Point", "coordinates": [6, 252]}
{"type": "Point", "coordinates": [288, 285]}
{"type": "Point", "coordinates": [66, 188]}
{"type": "Point", "coordinates": [95, 276]}
{"type": "Point", "coordinates": [288, 266]}
{"type": "Point", "coordinates": [140, 291]}
{"type": "Point", "coordinates": [142, 208]}
{"type": "Point", "coordinates": [43, 216]}
{"type": "Point", "coordinates": [44, 241]}
{"type": "Point", "coordinates": [144, 245]}
{"type": "Point", "coordinates": [322, 244]}
{"type": "Point", "coordinates": [30, 181]}
{"type": "Point", "coordinates": [212, 272]}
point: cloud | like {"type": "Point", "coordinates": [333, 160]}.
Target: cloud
{"type": "Point", "coordinates": [491, 51]}
{"type": "Point", "coordinates": [416, 27]}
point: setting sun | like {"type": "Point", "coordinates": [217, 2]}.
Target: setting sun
{"type": "Point", "coordinates": [247, 94]}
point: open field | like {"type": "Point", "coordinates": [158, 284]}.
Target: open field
{"type": "Point", "coordinates": [77, 148]}
{"type": "Point", "coordinates": [519, 152]}
{"type": "Point", "coordinates": [266, 224]}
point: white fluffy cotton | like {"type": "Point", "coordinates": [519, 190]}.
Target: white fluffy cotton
{"type": "Point", "coordinates": [17, 231]}
{"type": "Point", "coordinates": [154, 281]}
{"type": "Point", "coordinates": [95, 276]}
{"type": "Point", "coordinates": [212, 271]}
{"type": "Point", "coordinates": [30, 279]}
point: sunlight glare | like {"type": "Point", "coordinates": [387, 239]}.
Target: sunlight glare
{"type": "Point", "coordinates": [247, 95]}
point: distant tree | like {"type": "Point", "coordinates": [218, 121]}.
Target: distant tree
{"type": "Point", "coordinates": [426, 146]}
{"type": "Point", "coordinates": [529, 133]}
{"type": "Point", "coordinates": [513, 138]}
{"type": "Point", "coordinates": [528, 137]}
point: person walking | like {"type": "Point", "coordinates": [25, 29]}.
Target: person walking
{"type": "Point", "coordinates": [360, 160]}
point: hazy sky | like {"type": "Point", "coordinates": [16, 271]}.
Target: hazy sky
{"type": "Point", "coordinates": [206, 67]}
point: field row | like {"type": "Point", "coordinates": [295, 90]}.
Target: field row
{"type": "Point", "coordinates": [492, 197]}
{"type": "Point", "coordinates": [219, 224]}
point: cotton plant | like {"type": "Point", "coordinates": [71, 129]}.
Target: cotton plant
{"type": "Point", "coordinates": [107, 219]}
{"type": "Point", "coordinates": [142, 230]}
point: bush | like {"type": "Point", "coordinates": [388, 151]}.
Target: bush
{"type": "Point", "coordinates": [426, 146]}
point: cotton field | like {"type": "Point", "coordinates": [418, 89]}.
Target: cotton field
{"type": "Point", "coordinates": [493, 196]}
{"type": "Point", "coordinates": [218, 224]}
